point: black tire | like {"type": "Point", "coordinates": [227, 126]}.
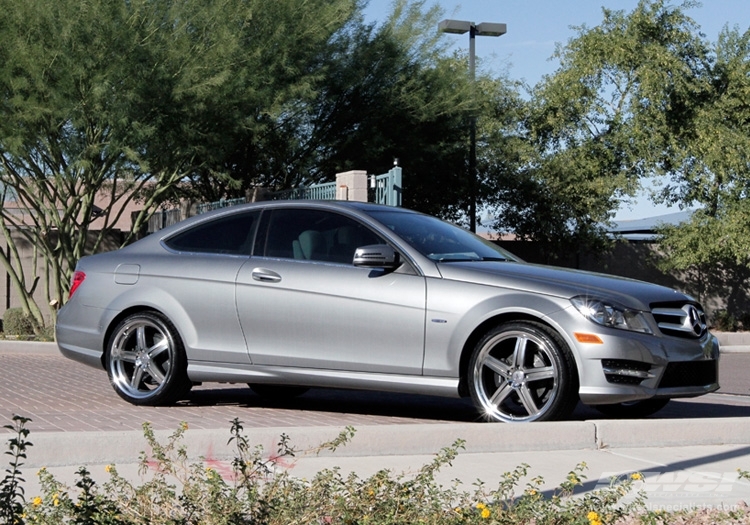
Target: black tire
{"type": "Point", "coordinates": [145, 360]}
{"type": "Point", "coordinates": [634, 410]}
{"type": "Point", "coordinates": [278, 391]}
{"type": "Point", "coordinates": [522, 371]}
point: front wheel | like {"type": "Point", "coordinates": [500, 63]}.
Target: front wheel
{"type": "Point", "coordinates": [522, 371]}
{"type": "Point", "coordinates": [633, 410]}
{"type": "Point", "coordinates": [146, 361]}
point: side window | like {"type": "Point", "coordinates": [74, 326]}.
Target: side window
{"type": "Point", "coordinates": [315, 235]}
{"type": "Point", "coordinates": [232, 234]}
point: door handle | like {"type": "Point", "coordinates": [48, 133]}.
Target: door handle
{"type": "Point", "coordinates": [265, 276]}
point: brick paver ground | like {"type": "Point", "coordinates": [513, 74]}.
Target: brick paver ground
{"type": "Point", "coordinates": [62, 395]}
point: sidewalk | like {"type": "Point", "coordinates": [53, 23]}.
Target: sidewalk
{"type": "Point", "coordinates": [694, 466]}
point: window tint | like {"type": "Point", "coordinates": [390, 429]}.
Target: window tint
{"type": "Point", "coordinates": [231, 234]}
{"type": "Point", "coordinates": [315, 235]}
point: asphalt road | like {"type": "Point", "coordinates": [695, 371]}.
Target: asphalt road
{"type": "Point", "coordinates": [62, 395]}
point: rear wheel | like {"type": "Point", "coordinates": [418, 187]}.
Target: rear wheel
{"type": "Point", "coordinates": [522, 371]}
{"type": "Point", "coordinates": [278, 391]}
{"type": "Point", "coordinates": [146, 361]}
{"type": "Point", "coordinates": [635, 409]}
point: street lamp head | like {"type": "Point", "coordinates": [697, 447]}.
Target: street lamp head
{"type": "Point", "coordinates": [458, 27]}
{"type": "Point", "coordinates": [491, 29]}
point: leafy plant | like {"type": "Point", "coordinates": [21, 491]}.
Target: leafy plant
{"type": "Point", "coordinates": [257, 491]}
{"type": "Point", "coordinates": [12, 495]}
{"type": "Point", "coordinates": [16, 322]}
{"type": "Point", "coordinates": [725, 321]}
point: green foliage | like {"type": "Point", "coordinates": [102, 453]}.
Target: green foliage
{"type": "Point", "coordinates": [107, 104]}
{"type": "Point", "coordinates": [17, 322]}
{"type": "Point", "coordinates": [596, 127]}
{"type": "Point", "coordinates": [12, 493]}
{"type": "Point", "coordinates": [723, 321]}
{"type": "Point", "coordinates": [259, 492]}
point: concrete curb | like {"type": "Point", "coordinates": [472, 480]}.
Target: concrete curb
{"type": "Point", "coordinates": [53, 449]}
{"type": "Point", "coordinates": [9, 346]}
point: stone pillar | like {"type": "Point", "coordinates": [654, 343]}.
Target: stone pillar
{"type": "Point", "coordinates": [355, 183]}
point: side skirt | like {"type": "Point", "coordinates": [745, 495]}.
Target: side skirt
{"type": "Point", "coordinates": [205, 372]}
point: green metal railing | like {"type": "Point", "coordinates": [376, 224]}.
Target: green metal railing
{"type": "Point", "coordinates": [388, 189]}
{"type": "Point", "coordinates": [325, 192]}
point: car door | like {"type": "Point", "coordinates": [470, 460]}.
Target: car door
{"type": "Point", "coordinates": [302, 302]}
{"type": "Point", "coordinates": [199, 273]}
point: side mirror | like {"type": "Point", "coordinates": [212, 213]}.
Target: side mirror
{"type": "Point", "coordinates": [376, 256]}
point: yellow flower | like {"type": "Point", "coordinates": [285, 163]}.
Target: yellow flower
{"type": "Point", "coordinates": [36, 501]}
{"type": "Point", "coordinates": [184, 425]}
{"type": "Point", "coordinates": [636, 476]}
{"type": "Point", "coordinates": [481, 506]}
{"type": "Point", "coordinates": [108, 468]}
{"type": "Point", "coordinates": [531, 492]}
{"type": "Point", "coordinates": [485, 513]}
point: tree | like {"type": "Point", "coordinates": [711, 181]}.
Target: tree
{"type": "Point", "coordinates": [389, 92]}
{"type": "Point", "coordinates": [599, 125]}
{"type": "Point", "coordinates": [134, 99]}
{"type": "Point", "coordinates": [710, 163]}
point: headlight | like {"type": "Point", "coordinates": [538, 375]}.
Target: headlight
{"type": "Point", "coordinates": [611, 315]}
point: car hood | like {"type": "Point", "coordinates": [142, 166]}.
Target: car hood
{"type": "Point", "coordinates": [561, 282]}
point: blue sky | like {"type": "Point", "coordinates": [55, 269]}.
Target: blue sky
{"type": "Point", "coordinates": [535, 26]}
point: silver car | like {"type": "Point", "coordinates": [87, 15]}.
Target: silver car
{"type": "Point", "coordinates": [285, 296]}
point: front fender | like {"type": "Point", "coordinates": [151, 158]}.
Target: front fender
{"type": "Point", "coordinates": [455, 311]}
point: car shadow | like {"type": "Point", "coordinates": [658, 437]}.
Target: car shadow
{"type": "Point", "coordinates": [432, 408]}
{"type": "Point", "coordinates": [384, 404]}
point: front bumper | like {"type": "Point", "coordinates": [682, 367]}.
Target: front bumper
{"type": "Point", "coordinates": [629, 366]}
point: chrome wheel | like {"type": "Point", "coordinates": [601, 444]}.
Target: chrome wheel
{"type": "Point", "coordinates": [145, 360]}
{"type": "Point", "coordinates": [522, 372]}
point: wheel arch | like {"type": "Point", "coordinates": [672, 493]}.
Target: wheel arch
{"type": "Point", "coordinates": [496, 320]}
{"type": "Point", "coordinates": [169, 308]}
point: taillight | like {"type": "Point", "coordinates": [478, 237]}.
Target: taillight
{"type": "Point", "coordinates": [78, 278]}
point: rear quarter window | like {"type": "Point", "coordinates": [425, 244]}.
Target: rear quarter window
{"type": "Point", "coordinates": [231, 235]}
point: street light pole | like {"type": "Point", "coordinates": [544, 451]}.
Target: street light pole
{"type": "Point", "coordinates": [460, 27]}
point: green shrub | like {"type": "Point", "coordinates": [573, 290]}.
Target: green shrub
{"type": "Point", "coordinates": [258, 493]}
{"type": "Point", "coordinates": [16, 322]}
{"type": "Point", "coordinates": [725, 321]}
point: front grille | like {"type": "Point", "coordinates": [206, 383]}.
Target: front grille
{"type": "Point", "coordinates": [686, 320]}
{"type": "Point", "coordinates": [689, 373]}
{"type": "Point", "coordinates": [625, 372]}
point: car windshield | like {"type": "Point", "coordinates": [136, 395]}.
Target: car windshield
{"type": "Point", "coordinates": [439, 240]}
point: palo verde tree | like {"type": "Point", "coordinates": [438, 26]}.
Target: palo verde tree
{"type": "Point", "coordinates": [129, 101]}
